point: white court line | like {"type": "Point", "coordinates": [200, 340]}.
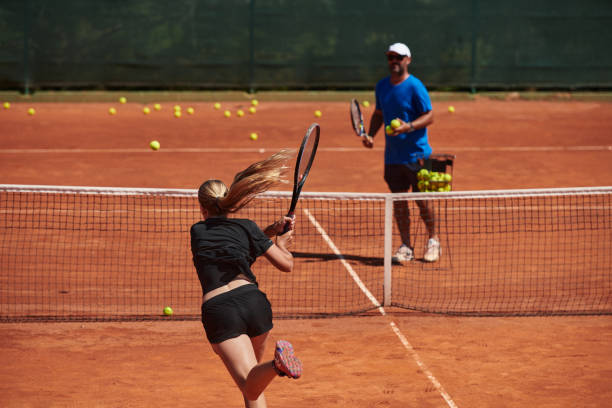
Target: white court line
{"type": "Point", "coordinates": [323, 149]}
{"type": "Point", "coordinates": [381, 309]}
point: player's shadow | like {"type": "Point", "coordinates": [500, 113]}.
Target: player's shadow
{"type": "Point", "coordinates": [364, 260]}
{"type": "Point", "coordinates": [318, 257]}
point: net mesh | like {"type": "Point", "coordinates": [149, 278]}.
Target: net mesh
{"type": "Point", "coordinates": [69, 253]}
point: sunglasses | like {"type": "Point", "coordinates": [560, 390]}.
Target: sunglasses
{"type": "Point", "coordinates": [395, 57]}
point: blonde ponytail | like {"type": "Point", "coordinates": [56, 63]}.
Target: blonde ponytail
{"type": "Point", "coordinates": [215, 197]}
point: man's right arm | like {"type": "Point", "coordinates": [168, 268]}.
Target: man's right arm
{"type": "Point", "coordinates": [376, 122]}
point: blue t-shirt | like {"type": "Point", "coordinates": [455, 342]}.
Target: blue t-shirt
{"type": "Point", "coordinates": [407, 100]}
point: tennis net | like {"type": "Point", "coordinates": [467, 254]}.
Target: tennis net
{"type": "Point", "coordinates": [84, 253]}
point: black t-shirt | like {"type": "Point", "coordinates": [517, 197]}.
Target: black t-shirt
{"type": "Point", "coordinates": [223, 248]}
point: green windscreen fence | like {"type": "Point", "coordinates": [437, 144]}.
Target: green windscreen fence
{"type": "Point", "coordinates": [314, 44]}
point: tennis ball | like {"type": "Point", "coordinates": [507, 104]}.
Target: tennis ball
{"type": "Point", "coordinates": [366, 104]}
{"type": "Point", "coordinates": [123, 99]}
{"type": "Point", "coordinates": [451, 109]}
{"type": "Point", "coordinates": [168, 311]}
{"type": "Point", "coordinates": [240, 113]}
{"type": "Point", "coordinates": [318, 113]}
{"type": "Point", "coordinates": [254, 136]}
{"type": "Point", "coordinates": [395, 123]}
{"type": "Point", "coordinates": [217, 105]}
{"type": "Point", "coordinates": [154, 145]}
{"type": "Point", "coordinates": [6, 105]}
{"type": "Point", "coordinates": [177, 107]}
{"type": "Point", "coordinates": [31, 111]}
{"type": "Point", "coordinates": [423, 174]}
{"type": "Point", "coordinates": [190, 110]}
{"type": "Point", "coordinates": [254, 102]}
{"type": "Point", "coordinates": [389, 130]}
{"type": "Point", "coordinates": [146, 110]}
{"type": "Point", "coordinates": [157, 107]}
{"type": "Point", "coordinates": [112, 111]}
{"type": "Point", "coordinates": [252, 110]}
{"type": "Point", "coordinates": [227, 114]}
{"type": "Point", "coordinates": [177, 113]}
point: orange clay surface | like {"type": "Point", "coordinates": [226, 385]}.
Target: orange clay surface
{"type": "Point", "coordinates": [427, 361]}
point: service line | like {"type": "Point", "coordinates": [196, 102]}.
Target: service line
{"type": "Point", "coordinates": [321, 149]}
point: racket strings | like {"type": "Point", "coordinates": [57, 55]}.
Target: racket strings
{"type": "Point", "coordinates": [357, 118]}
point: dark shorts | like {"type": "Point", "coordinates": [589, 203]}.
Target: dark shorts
{"type": "Point", "coordinates": [402, 177]}
{"type": "Point", "coordinates": [244, 310]}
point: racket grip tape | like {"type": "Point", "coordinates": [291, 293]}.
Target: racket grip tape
{"type": "Point", "coordinates": [288, 224]}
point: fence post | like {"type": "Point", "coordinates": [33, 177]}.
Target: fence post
{"type": "Point", "coordinates": [251, 46]}
{"type": "Point", "coordinates": [26, 47]}
{"type": "Point", "coordinates": [475, 21]}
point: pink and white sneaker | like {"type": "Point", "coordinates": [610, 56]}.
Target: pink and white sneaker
{"type": "Point", "coordinates": [285, 361]}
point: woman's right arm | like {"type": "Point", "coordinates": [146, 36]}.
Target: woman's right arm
{"type": "Point", "coordinates": [279, 255]}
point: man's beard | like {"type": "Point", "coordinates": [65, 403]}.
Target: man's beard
{"type": "Point", "coordinates": [397, 69]}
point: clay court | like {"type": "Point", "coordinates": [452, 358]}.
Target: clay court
{"type": "Point", "coordinates": [401, 359]}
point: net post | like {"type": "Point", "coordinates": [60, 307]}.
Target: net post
{"type": "Point", "coordinates": [387, 250]}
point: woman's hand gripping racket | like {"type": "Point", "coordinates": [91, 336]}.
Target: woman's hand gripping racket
{"type": "Point", "coordinates": [358, 126]}
{"type": "Point", "coordinates": [305, 157]}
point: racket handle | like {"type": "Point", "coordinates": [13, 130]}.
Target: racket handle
{"type": "Point", "coordinates": [287, 224]}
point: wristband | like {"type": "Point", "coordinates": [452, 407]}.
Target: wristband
{"type": "Point", "coordinates": [411, 126]}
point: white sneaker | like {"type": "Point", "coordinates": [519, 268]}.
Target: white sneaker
{"type": "Point", "coordinates": [404, 254]}
{"type": "Point", "coordinates": [432, 251]}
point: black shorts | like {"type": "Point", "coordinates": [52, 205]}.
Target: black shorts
{"type": "Point", "coordinates": [402, 177]}
{"type": "Point", "coordinates": [244, 310]}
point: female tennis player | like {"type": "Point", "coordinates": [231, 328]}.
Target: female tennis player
{"type": "Point", "coordinates": [236, 315]}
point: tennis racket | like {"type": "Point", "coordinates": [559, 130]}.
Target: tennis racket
{"type": "Point", "coordinates": [357, 122]}
{"type": "Point", "coordinates": [357, 118]}
{"type": "Point", "coordinates": [305, 157]}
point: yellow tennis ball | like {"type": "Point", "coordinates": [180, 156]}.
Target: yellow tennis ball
{"type": "Point", "coordinates": [190, 110]}
{"type": "Point", "coordinates": [423, 174]}
{"type": "Point", "coordinates": [154, 145]}
{"type": "Point", "coordinates": [217, 105]}
{"type": "Point", "coordinates": [252, 110]}
{"type": "Point", "coordinates": [177, 113]}
{"type": "Point", "coordinates": [227, 114]}
{"type": "Point", "coordinates": [112, 111]}
{"type": "Point", "coordinates": [318, 113]}
{"type": "Point", "coordinates": [395, 123]}
{"type": "Point", "coordinates": [177, 107]}
{"type": "Point", "coordinates": [366, 104]}
{"type": "Point", "coordinates": [240, 113]}
{"type": "Point", "coordinates": [389, 130]}
{"type": "Point", "coordinates": [6, 105]}
{"type": "Point", "coordinates": [31, 111]}
{"type": "Point", "coordinates": [254, 102]}
{"type": "Point", "coordinates": [451, 109]}
{"type": "Point", "coordinates": [146, 110]}
{"type": "Point", "coordinates": [123, 99]}
{"type": "Point", "coordinates": [254, 136]}
{"type": "Point", "coordinates": [157, 107]}
{"type": "Point", "coordinates": [168, 311]}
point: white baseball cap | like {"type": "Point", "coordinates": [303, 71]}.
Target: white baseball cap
{"type": "Point", "coordinates": [400, 49]}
